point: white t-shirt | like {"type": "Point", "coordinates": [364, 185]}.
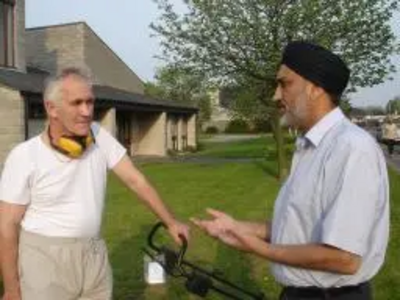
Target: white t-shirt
{"type": "Point", "coordinates": [65, 197]}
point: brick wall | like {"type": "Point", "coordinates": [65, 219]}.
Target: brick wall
{"type": "Point", "coordinates": [20, 35]}
{"type": "Point", "coordinates": [53, 48]}
{"type": "Point", "coordinates": [107, 66]}
{"type": "Point", "coordinates": [11, 121]}
{"type": "Point", "coordinates": [152, 134]}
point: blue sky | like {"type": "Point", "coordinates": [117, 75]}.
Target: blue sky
{"type": "Point", "coordinates": [124, 26]}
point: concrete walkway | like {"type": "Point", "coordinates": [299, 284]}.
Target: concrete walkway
{"type": "Point", "coordinates": [220, 138]}
{"type": "Point", "coordinates": [196, 159]}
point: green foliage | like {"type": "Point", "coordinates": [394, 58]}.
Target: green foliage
{"type": "Point", "coordinates": [345, 106]}
{"type": "Point", "coordinates": [372, 110]}
{"type": "Point", "coordinates": [262, 125]}
{"type": "Point", "coordinates": [240, 42]}
{"type": "Point", "coordinates": [393, 106]}
{"type": "Point", "coordinates": [237, 126]}
{"type": "Point", "coordinates": [181, 84]}
{"type": "Point", "coordinates": [211, 130]}
{"type": "Point", "coordinates": [234, 40]}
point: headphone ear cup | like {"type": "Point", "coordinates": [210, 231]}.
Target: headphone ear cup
{"type": "Point", "coordinates": [89, 140]}
{"type": "Point", "coordinates": [71, 147]}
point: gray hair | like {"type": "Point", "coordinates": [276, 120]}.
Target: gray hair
{"type": "Point", "coordinates": [52, 86]}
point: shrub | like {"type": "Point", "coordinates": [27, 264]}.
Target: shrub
{"type": "Point", "coordinates": [237, 126]}
{"type": "Point", "coordinates": [211, 130]}
{"type": "Point", "coordinates": [191, 149]}
{"type": "Point", "coordinates": [262, 126]}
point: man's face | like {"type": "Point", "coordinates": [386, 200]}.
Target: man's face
{"type": "Point", "coordinates": [292, 98]}
{"type": "Point", "coordinates": [74, 113]}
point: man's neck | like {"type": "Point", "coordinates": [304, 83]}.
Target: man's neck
{"type": "Point", "coordinates": [316, 115]}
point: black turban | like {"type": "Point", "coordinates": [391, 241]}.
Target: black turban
{"type": "Point", "coordinates": [318, 65]}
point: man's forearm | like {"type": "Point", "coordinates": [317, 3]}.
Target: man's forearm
{"type": "Point", "coordinates": [151, 198]}
{"type": "Point", "coordinates": [9, 236]}
{"type": "Point", "coordinates": [309, 256]}
{"type": "Point", "coordinates": [315, 257]}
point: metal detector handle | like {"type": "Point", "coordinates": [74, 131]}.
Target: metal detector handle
{"type": "Point", "coordinates": [150, 237]}
{"type": "Point", "coordinates": [183, 249]}
{"type": "Point", "coordinates": [150, 241]}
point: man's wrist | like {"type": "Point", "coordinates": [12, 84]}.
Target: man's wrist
{"type": "Point", "coordinates": [170, 222]}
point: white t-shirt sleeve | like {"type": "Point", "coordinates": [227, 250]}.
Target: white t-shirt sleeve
{"type": "Point", "coordinates": [358, 198]}
{"type": "Point", "coordinates": [112, 149]}
{"type": "Point", "coordinates": [16, 176]}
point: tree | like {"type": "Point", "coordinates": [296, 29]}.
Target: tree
{"type": "Point", "coordinates": [393, 106]}
{"type": "Point", "coordinates": [374, 110]}
{"type": "Point", "coordinates": [181, 84]}
{"type": "Point", "coordinates": [240, 42]}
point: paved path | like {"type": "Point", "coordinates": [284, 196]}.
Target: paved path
{"type": "Point", "coordinates": [196, 159]}
{"type": "Point", "coordinates": [231, 137]}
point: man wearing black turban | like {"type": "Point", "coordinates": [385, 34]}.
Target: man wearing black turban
{"type": "Point", "coordinates": [329, 231]}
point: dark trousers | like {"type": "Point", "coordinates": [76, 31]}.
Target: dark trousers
{"type": "Point", "coordinates": [360, 292]}
{"type": "Point", "coordinates": [390, 145]}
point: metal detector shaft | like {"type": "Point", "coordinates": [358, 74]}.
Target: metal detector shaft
{"type": "Point", "coordinates": [181, 262]}
{"type": "Point", "coordinates": [230, 284]}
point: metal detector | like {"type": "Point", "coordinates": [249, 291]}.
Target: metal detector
{"type": "Point", "coordinates": [198, 281]}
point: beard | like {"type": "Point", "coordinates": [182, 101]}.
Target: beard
{"type": "Point", "coordinates": [294, 116]}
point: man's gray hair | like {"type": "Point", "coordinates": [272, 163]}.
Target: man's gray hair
{"type": "Point", "coordinates": [52, 87]}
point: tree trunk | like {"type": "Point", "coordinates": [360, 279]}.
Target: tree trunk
{"type": "Point", "coordinates": [280, 147]}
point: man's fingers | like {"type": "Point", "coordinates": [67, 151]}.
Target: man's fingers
{"type": "Point", "coordinates": [216, 213]}
{"type": "Point", "coordinates": [208, 226]}
{"type": "Point", "coordinates": [199, 223]}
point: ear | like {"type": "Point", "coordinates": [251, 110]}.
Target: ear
{"type": "Point", "coordinates": [51, 108]}
{"type": "Point", "coordinates": [315, 92]}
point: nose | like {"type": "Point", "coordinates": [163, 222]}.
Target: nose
{"type": "Point", "coordinates": [86, 109]}
{"type": "Point", "coordinates": [277, 94]}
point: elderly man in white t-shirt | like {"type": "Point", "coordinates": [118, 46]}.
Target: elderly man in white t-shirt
{"type": "Point", "coordinates": [52, 194]}
{"type": "Point", "coordinates": [330, 226]}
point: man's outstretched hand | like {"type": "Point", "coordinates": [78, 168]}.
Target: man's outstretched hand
{"type": "Point", "coordinates": [223, 227]}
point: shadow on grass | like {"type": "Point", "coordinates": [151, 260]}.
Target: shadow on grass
{"type": "Point", "coordinates": [237, 269]}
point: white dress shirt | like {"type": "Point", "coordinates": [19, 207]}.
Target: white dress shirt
{"type": "Point", "coordinates": [337, 194]}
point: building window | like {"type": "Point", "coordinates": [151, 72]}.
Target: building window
{"type": "Point", "coordinates": [36, 111]}
{"type": "Point", "coordinates": [7, 35]}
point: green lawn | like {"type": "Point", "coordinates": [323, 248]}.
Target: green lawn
{"type": "Point", "coordinates": [387, 282]}
{"type": "Point", "coordinates": [246, 190]}
{"type": "Point", "coordinates": [262, 147]}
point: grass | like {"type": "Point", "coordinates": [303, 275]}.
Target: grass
{"type": "Point", "coordinates": [245, 191]}
{"type": "Point", "coordinates": [386, 283]}
{"type": "Point", "coordinates": [262, 147]}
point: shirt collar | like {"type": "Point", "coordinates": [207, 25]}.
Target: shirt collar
{"type": "Point", "coordinates": [319, 130]}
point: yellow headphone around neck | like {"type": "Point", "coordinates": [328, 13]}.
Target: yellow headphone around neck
{"type": "Point", "coordinates": [72, 146]}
